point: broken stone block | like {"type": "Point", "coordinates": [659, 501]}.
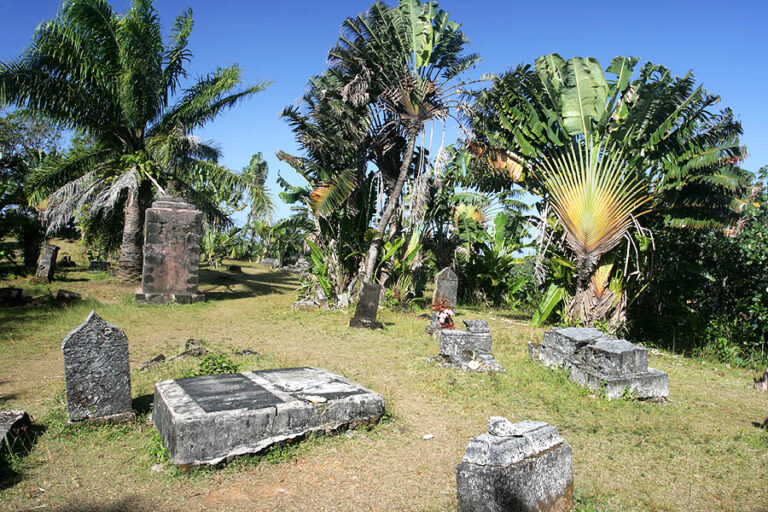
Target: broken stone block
{"type": "Point", "coordinates": [525, 466]}
{"type": "Point", "coordinates": [446, 287]}
{"type": "Point", "coordinates": [15, 431]}
{"type": "Point", "coordinates": [615, 367]}
{"type": "Point", "coordinates": [367, 308]}
{"type": "Point", "coordinates": [11, 296]}
{"type": "Point", "coordinates": [153, 363]}
{"type": "Point", "coordinates": [67, 296]}
{"type": "Point", "coordinates": [172, 233]}
{"type": "Point", "coordinates": [47, 265]}
{"type": "Point", "coordinates": [97, 372]}
{"type": "Point", "coordinates": [205, 420]}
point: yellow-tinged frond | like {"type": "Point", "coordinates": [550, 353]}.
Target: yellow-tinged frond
{"type": "Point", "coordinates": [593, 196]}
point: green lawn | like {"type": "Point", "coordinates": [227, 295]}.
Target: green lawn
{"type": "Point", "coordinates": [704, 449]}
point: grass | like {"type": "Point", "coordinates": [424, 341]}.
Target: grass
{"type": "Point", "coordinates": [705, 449]}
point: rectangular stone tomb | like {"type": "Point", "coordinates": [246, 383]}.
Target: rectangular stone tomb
{"type": "Point", "coordinates": [525, 466]}
{"type": "Point", "coordinates": [601, 363]}
{"type": "Point", "coordinates": [468, 350]}
{"type": "Point", "coordinates": [204, 420]}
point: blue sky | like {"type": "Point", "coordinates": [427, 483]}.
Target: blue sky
{"type": "Point", "coordinates": [287, 42]}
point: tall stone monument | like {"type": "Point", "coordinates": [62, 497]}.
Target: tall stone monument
{"type": "Point", "coordinates": [524, 466]}
{"type": "Point", "coordinates": [47, 265]}
{"type": "Point", "coordinates": [97, 372]}
{"type": "Point", "coordinates": [446, 287]}
{"type": "Point", "coordinates": [172, 233]}
{"type": "Point", "coordinates": [367, 308]}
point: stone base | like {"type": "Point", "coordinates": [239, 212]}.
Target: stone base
{"type": "Point", "coordinates": [165, 298]}
{"type": "Point", "coordinates": [359, 323]}
{"type": "Point", "coordinates": [650, 384]}
{"type": "Point", "coordinates": [540, 483]}
{"type": "Point", "coordinates": [205, 420]}
{"type": "Point", "coordinates": [483, 363]}
{"type": "Point", "coordinates": [123, 417]}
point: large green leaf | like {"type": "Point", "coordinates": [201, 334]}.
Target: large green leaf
{"type": "Point", "coordinates": [584, 95]}
{"type": "Point", "coordinates": [551, 299]}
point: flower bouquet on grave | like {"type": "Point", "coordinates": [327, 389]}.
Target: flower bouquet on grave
{"type": "Point", "coordinates": [444, 313]}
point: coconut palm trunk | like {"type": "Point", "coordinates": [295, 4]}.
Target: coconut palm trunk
{"type": "Point", "coordinates": [130, 262]}
{"type": "Point", "coordinates": [389, 209]}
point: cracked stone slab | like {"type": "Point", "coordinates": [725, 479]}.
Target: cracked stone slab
{"type": "Point", "coordinates": [523, 466]}
{"type": "Point", "coordinates": [204, 420]}
{"type": "Point", "coordinates": [97, 372]}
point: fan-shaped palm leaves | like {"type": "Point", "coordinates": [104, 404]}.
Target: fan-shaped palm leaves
{"type": "Point", "coordinates": [112, 78]}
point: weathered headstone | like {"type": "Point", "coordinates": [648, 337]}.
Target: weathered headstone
{"type": "Point", "coordinates": [172, 235]}
{"type": "Point", "coordinates": [47, 265]}
{"type": "Point", "coordinates": [469, 349]}
{"type": "Point", "coordinates": [524, 466]}
{"type": "Point", "coordinates": [446, 287]}
{"type": "Point", "coordinates": [367, 308]}
{"type": "Point", "coordinates": [15, 431]}
{"type": "Point", "coordinates": [614, 367]}
{"type": "Point", "coordinates": [204, 420]}
{"type": "Point", "coordinates": [97, 372]}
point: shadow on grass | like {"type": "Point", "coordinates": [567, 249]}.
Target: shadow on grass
{"type": "Point", "coordinates": [222, 285]}
{"type": "Point", "coordinates": [127, 504]}
{"type": "Point", "coordinates": [142, 405]}
{"type": "Point", "coordinates": [16, 320]}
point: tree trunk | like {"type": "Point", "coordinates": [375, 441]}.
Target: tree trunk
{"type": "Point", "coordinates": [389, 209]}
{"type": "Point", "coordinates": [581, 306]}
{"type": "Point", "coordinates": [129, 265]}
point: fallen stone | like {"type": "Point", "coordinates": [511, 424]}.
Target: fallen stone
{"type": "Point", "coordinates": [192, 352]}
{"type": "Point", "coordinates": [97, 372]}
{"type": "Point", "coordinates": [154, 362]}
{"type": "Point", "coordinates": [614, 367]}
{"type": "Point", "coordinates": [205, 420]}
{"type": "Point", "coordinates": [11, 296]}
{"type": "Point", "coordinates": [305, 305]}
{"type": "Point", "coordinates": [192, 342]}
{"type": "Point", "coordinates": [67, 296]}
{"type": "Point", "coordinates": [527, 468]}
{"type": "Point", "coordinates": [15, 431]}
{"type": "Point", "coordinates": [246, 352]}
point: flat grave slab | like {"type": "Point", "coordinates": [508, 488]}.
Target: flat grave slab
{"type": "Point", "coordinates": [204, 420]}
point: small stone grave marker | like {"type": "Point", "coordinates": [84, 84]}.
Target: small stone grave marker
{"type": "Point", "coordinates": [97, 372]}
{"type": "Point", "coordinates": [47, 265]}
{"type": "Point", "coordinates": [15, 431]}
{"type": "Point", "coordinates": [172, 235]}
{"type": "Point", "coordinates": [367, 308]}
{"type": "Point", "coordinates": [470, 349]}
{"type": "Point", "coordinates": [204, 420]}
{"type": "Point", "coordinates": [446, 287]}
{"type": "Point", "coordinates": [524, 466]}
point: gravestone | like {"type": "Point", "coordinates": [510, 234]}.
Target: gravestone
{"type": "Point", "coordinates": [367, 308]}
{"type": "Point", "coordinates": [204, 420]}
{"type": "Point", "coordinates": [15, 431]}
{"type": "Point", "coordinates": [611, 366]}
{"type": "Point", "coordinates": [468, 349]}
{"type": "Point", "coordinates": [524, 466]}
{"type": "Point", "coordinates": [47, 265]}
{"type": "Point", "coordinates": [446, 287]}
{"type": "Point", "coordinates": [97, 372]}
{"type": "Point", "coordinates": [172, 234]}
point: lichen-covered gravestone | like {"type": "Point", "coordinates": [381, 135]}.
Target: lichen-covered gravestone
{"type": "Point", "coordinates": [367, 308]}
{"type": "Point", "coordinates": [204, 420]}
{"type": "Point", "coordinates": [97, 372]}
{"type": "Point", "coordinates": [172, 235]}
{"type": "Point", "coordinates": [47, 265]}
{"type": "Point", "coordinates": [446, 287]}
{"type": "Point", "coordinates": [522, 467]}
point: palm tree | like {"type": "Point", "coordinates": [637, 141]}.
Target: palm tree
{"type": "Point", "coordinates": [602, 152]}
{"type": "Point", "coordinates": [400, 63]}
{"type": "Point", "coordinates": [112, 78]}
